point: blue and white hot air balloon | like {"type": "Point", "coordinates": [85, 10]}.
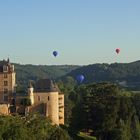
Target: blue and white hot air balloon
{"type": "Point", "coordinates": [55, 53]}
{"type": "Point", "coordinates": [80, 78]}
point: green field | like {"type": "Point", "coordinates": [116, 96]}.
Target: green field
{"type": "Point", "coordinates": [83, 136]}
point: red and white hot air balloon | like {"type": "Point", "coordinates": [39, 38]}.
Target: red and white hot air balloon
{"type": "Point", "coordinates": [117, 50]}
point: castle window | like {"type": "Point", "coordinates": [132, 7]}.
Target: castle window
{"type": "Point", "coordinates": [5, 83]}
{"type": "Point", "coordinates": [13, 101]}
{"type": "Point", "coordinates": [5, 98]}
{"type": "Point", "coordinates": [48, 98]}
{"type": "Point", "coordinates": [38, 98]}
{"type": "Point", "coordinates": [5, 90]}
{"type": "Point", "coordinates": [5, 75]}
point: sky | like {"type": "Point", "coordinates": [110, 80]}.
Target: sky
{"type": "Point", "coordinates": [82, 31]}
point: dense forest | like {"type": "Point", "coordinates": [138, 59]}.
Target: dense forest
{"type": "Point", "coordinates": [24, 73]}
{"type": "Point", "coordinates": [124, 74]}
{"type": "Point", "coordinates": [105, 111]}
{"type": "Point", "coordinates": [31, 127]}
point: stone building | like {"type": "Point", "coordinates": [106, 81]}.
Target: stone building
{"type": "Point", "coordinates": [7, 86]}
{"type": "Point", "coordinates": [47, 99]}
{"type": "Point", "coordinates": [7, 82]}
{"type": "Point", "coordinates": [44, 95]}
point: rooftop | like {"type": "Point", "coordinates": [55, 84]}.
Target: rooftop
{"type": "Point", "coordinates": [46, 85]}
{"type": "Point", "coordinates": [4, 62]}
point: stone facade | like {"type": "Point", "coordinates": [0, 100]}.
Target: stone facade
{"type": "Point", "coordinates": [7, 81]}
{"type": "Point", "coordinates": [51, 100]}
{"type": "Point", "coordinates": [45, 96]}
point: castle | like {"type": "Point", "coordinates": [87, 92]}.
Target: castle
{"type": "Point", "coordinates": [45, 96]}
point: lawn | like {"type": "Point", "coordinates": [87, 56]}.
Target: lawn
{"type": "Point", "coordinates": [83, 136]}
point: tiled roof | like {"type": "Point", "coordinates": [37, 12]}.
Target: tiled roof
{"type": "Point", "coordinates": [2, 63]}
{"type": "Point", "coordinates": [46, 85]}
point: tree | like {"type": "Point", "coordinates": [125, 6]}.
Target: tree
{"type": "Point", "coordinates": [25, 102]}
{"type": "Point", "coordinates": [13, 127]}
{"type": "Point", "coordinates": [103, 109]}
{"type": "Point", "coordinates": [31, 127]}
{"type": "Point", "coordinates": [59, 134]}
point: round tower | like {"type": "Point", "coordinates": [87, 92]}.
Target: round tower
{"type": "Point", "coordinates": [53, 108]}
{"type": "Point", "coordinates": [30, 93]}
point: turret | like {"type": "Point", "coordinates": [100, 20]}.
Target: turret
{"type": "Point", "coordinates": [30, 93]}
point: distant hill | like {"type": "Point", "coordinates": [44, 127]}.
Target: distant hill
{"type": "Point", "coordinates": [125, 74]}
{"type": "Point", "coordinates": [24, 73]}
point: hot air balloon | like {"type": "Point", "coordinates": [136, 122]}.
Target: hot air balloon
{"type": "Point", "coordinates": [80, 78]}
{"type": "Point", "coordinates": [55, 53]}
{"type": "Point", "coordinates": [117, 50]}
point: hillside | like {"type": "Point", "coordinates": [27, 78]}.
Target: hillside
{"type": "Point", "coordinates": [24, 73]}
{"type": "Point", "coordinates": [125, 74]}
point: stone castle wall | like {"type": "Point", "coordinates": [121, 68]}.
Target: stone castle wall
{"type": "Point", "coordinates": [51, 106]}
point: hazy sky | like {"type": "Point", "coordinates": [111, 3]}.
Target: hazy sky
{"type": "Point", "coordinates": [82, 31]}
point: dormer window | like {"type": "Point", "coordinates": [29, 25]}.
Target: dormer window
{"type": "Point", "coordinates": [5, 69]}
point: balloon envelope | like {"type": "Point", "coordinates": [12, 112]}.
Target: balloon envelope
{"type": "Point", "coordinates": [55, 53]}
{"type": "Point", "coordinates": [117, 50]}
{"type": "Point", "coordinates": [80, 78]}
